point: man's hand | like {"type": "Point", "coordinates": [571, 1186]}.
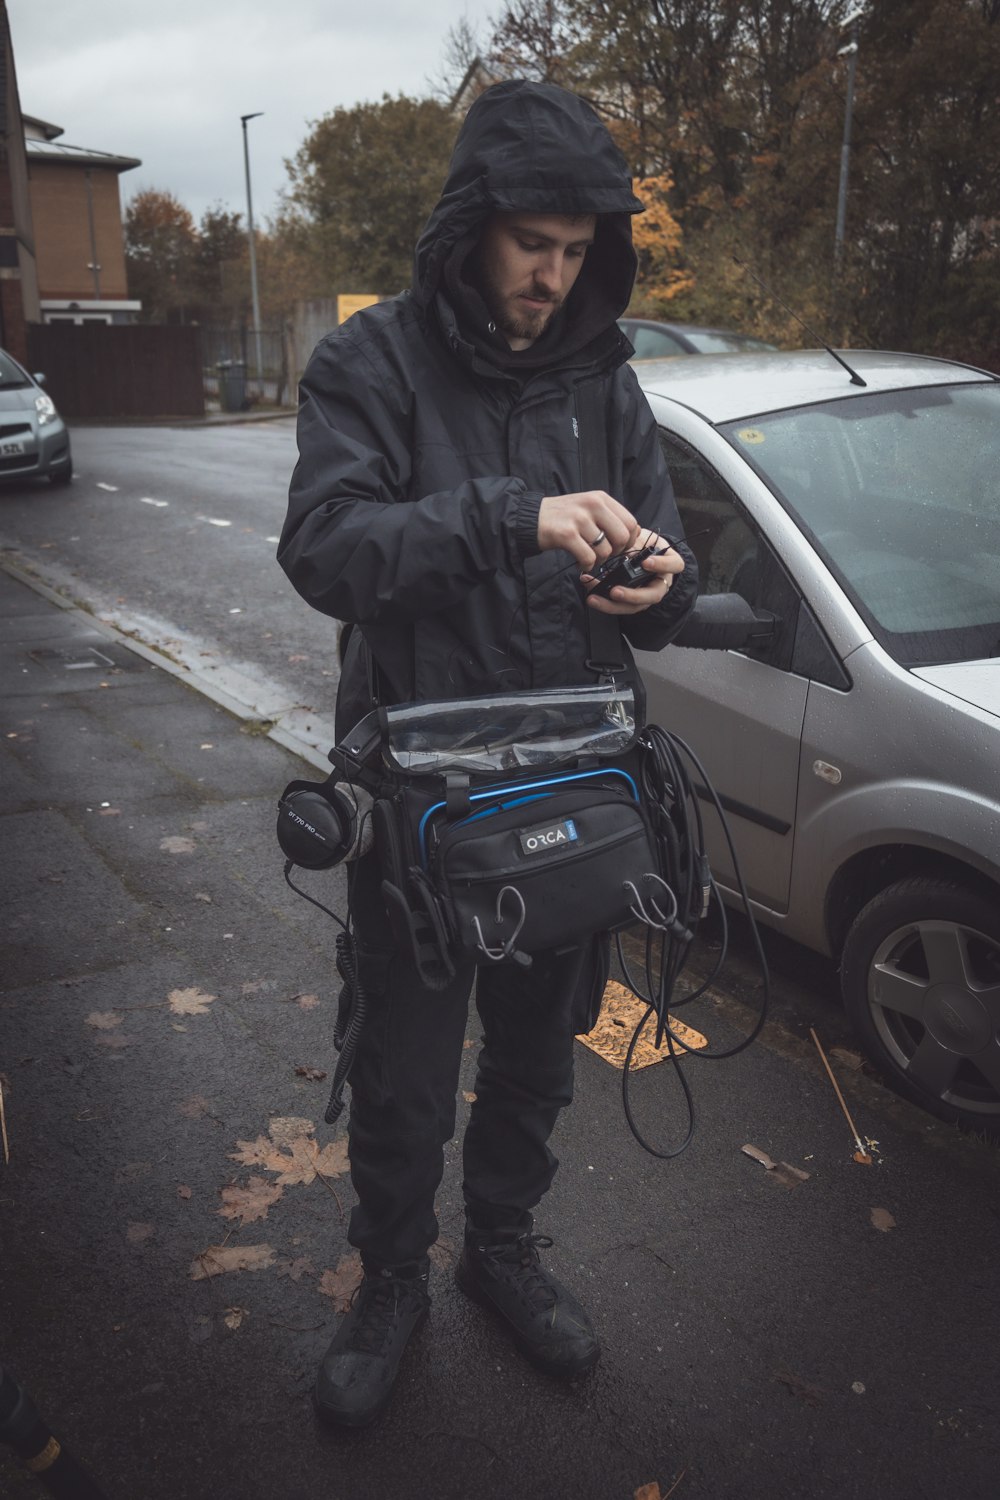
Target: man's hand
{"type": "Point", "coordinates": [633, 601]}
{"type": "Point", "coordinates": [590, 525]}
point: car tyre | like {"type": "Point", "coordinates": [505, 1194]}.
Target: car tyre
{"type": "Point", "coordinates": [61, 478]}
{"type": "Point", "coordinates": [920, 976]}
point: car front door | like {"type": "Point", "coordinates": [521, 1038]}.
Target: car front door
{"type": "Point", "coordinates": [741, 712]}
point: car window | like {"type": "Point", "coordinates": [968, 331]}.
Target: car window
{"type": "Point", "coordinates": [717, 341]}
{"type": "Point", "coordinates": [11, 374]}
{"type": "Point", "coordinates": [899, 491]}
{"type": "Point", "coordinates": [653, 343]}
{"type": "Point", "coordinates": [733, 557]}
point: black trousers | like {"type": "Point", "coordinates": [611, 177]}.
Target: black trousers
{"type": "Point", "coordinates": [404, 1084]}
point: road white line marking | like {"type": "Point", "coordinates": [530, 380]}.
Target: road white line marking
{"type": "Point", "coordinates": [274, 539]}
{"type": "Point", "coordinates": [102, 486]}
{"type": "Point", "coordinates": [148, 500]}
{"type": "Point", "coordinates": [211, 521]}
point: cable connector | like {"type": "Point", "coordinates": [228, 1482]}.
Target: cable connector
{"type": "Point", "coordinates": [705, 881]}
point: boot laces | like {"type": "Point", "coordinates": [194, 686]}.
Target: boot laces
{"type": "Point", "coordinates": [378, 1299]}
{"type": "Point", "coordinates": [522, 1268]}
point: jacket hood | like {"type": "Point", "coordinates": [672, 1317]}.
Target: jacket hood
{"type": "Point", "coordinates": [533, 148]}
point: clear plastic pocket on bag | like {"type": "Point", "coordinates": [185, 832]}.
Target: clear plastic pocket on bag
{"type": "Point", "coordinates": [509, 732]}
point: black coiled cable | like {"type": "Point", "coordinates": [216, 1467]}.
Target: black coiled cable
{"type": "Point", "coordinates": [353, 1005]}
{"type": "Point", "coordinates": [350, 1021]}
{"type": "Point", "coordinates": [672, 802]}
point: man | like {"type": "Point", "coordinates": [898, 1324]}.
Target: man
{"type": "Point", "coordinates": [439, 507]}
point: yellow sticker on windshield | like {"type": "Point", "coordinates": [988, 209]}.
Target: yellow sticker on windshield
{"type": "Point", "coordinates": [750, 435]}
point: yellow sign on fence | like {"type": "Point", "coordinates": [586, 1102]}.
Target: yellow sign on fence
{"type": "Point", "coordinates": [352, 302]}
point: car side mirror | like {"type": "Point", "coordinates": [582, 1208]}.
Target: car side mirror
{"type": "Point", "coordinates": [39, 377]}
{"type": "Point", "coordinates": [723, 622]}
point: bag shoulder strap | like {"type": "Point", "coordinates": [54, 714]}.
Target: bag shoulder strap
{"type": "Point", "coordinates": [605, 649]}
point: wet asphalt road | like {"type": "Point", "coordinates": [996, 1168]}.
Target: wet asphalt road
{"type": "Point", "coordinates": [174, 530]}
{"type": "Point", "coordinates": [831, 1339]}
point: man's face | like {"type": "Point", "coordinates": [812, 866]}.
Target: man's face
{"type": "Point", "coordinates": [527, 266]}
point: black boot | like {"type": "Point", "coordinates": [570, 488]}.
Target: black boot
{"type": "Point", "coordinates": [546, 1321]}
{"type": "Point", "coordinates": [356, 1376]}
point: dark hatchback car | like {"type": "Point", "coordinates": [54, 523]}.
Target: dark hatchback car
{"type": "Point", "coordinates": [34, 441]}
{"type": "Point", "coordinates": [652, 340]}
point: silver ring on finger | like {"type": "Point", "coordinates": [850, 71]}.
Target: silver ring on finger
{"type": "Point", "coordinates": [598, 539]}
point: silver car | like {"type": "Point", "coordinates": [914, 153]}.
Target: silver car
{"type": "Point", "coordinates": [34, 442]}
{"type": "Point", "coordinates": [853, 727]}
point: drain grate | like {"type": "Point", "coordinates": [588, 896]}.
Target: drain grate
{"type": "Point", "coordinates": [82, 659]}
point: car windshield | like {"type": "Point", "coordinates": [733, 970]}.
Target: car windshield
{"type": "Point", "coordinates": [10, 373]}
{"type": "Point", "coordinates": [900, 492]}
{"type": "Point", "coordinates": [716, 341]}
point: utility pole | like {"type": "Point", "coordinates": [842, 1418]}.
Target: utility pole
{"type": "Point", "coordinates": [850, 51]}
{"type": "Point", "coordinates": [253, 247]}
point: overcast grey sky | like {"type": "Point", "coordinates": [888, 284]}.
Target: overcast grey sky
{"type": "Point", "coordinates": [169, 82]}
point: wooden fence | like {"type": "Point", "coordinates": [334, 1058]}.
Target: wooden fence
{"type": "Point", "coordinates": [106, 371]}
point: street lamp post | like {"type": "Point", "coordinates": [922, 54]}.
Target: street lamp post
{"type": "Point", "coordinates": [253, 248]}
{"type": "Point", "coordinates": [850, 51]}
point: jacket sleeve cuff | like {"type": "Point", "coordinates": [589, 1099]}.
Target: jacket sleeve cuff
{"type": "Point", "coordinates": [526, 524]}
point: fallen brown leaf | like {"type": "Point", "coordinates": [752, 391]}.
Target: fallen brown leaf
{"type": "Point", "coordinates": [443, 1253]}
{"type": "Point", "coordinates": [234, 1316]}
{"type": "Point", "coordinates": [177, 844]}
{"type": "Point", "coordinates": [295, 1269]}
{"type": "Point", "coordinates": [104, 1020]}
{"type": "Point", "coordinates": [882, 1219]}
{"type": "Point", "coordinates": [292, 1153]}
{"type": "Point", "coordinates": [343, 1282]}
{"type": "Point", "coordinates": [648, 1492]}
{"type": "Point", "coordinates": [333, 1161]}
{"type": "Point", "coordinates": [217, 1260]}
{"type": "Point", "coordinates": [306, 1002]}
{"type": "Point", "coordinates": [190, 1002]}
{"type": "Point", "coordinates": [195, 1107]}
{"type": "Point", "coordinates": [113, 1039]}
{"type": "Point", "coordinates": [299, 1163]}
{"type": "Point", "coordinates": [781, 1171]}
{"type": "Point", "coordinates": [183, 1191]}
{"type": "Point", "coordinates": [469, 1098]}
{"type": "Point", "coordinates": [253, 1153]}
{"type": "Point", "coordinates": [852, 1060]}
{"type": "Point", "coordinates": [283, 1129]}
{"type": "Point", "coordinates": [314, 1075]}
{"type": "Point", "coordinates": [250, 1202]}
{"type": "Point", "coordinates": [138, 1234]}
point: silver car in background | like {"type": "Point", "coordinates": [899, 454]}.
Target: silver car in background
{"type": "Point", "coordinates": [34, 441]}
{"type": "Point", "coordinates": [854, 731]}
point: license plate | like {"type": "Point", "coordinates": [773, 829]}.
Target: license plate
{"type": "Point", "coordinates": [11, 448]}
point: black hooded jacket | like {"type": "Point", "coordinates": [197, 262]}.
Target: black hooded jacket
{"type": "Point", "coordinates": [426, 446]}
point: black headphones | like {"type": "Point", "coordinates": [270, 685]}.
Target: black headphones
{"type": "Point", "coordinates": [317, 823]}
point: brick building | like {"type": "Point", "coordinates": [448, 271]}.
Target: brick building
{"type": "Point", "coordinates": [79, 245]}
{"type": "Point", "coordinates": [18, 277]}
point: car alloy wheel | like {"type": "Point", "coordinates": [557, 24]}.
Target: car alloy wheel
{"type": "Point", "coordinates": [921, 983]}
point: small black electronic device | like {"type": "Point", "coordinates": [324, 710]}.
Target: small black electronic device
{"type": "Point", "coordinates": [625, 570]}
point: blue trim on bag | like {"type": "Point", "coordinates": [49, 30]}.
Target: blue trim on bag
{"type": "Point", "coordinates": [493, 791]}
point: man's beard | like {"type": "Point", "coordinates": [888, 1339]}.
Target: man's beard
{"type": "Point", "coordinates": [520, 323]}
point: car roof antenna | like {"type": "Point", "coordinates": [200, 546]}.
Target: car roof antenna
{"type": "Point", "coordinates": [855, 377]}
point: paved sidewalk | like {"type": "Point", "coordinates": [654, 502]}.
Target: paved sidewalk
{"type": "Point", "coordinates": [167, 1007]}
